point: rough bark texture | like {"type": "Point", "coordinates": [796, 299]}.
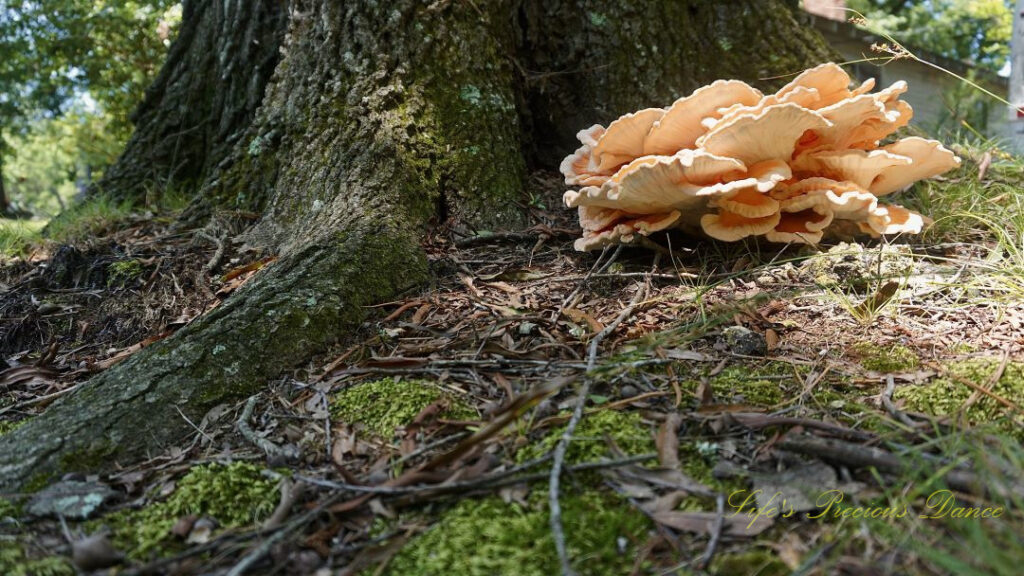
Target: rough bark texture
{"type": "Point", "coordinates": [205, 96]}
{"type": "Point", "coordinates": [4, 202]}
{"type": "Point", "coordinates": [383, 118]}
{"type": "Point", "coordinates": [591, 62]}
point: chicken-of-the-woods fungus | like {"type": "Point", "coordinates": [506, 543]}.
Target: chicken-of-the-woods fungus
{"type": "Point", "coordinates": [730, 162]}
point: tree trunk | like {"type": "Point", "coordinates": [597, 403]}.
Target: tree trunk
{"type": "Point", "coordinates": [204, 98]}
{"type": "Point", "coordinates": [381, 120]}
{"type": "Point", "coordinates": [1016, 111]}
{"type": "Point", "coordinates": [5, 204]}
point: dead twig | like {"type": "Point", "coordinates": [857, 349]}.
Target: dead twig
{"type": "Point", "coordinates": [493, 481]}
{"type": "Point", "coordinates": [554, 507]}
{"type": "Point", "coordinates": [716, 532]}
{"type": "Point", "coordinates": [290, 493]}
{"type": "Point", "coordinates": [890, 387]}
{"type": "Point", "coordinates": [859, 456]}
{"type": "Point", "coordinates": [273, 451]}
{"type": "Point", "coordinates": [992, 381]}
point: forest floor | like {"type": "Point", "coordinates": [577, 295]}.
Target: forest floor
{"type": "Point", "coordinates": [850, 409]}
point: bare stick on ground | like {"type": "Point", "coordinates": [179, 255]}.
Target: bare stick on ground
{"type": "Point", "coordinates": [555, 508]}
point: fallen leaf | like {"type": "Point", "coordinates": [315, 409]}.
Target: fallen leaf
{"type": "Point", "coordinates": [738, 525]}
{"type": "Point", "coordinates": [581, 316]}
{"type": "Point", "coordinates": [667, 441]}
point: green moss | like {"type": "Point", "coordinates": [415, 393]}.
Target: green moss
{"type": "Point", "coordinates": [123, 272]}
{"type": "Point", "coordinates": [383, 406]}
{"type": "Point", "coordinates": [944, 395]}
{"type": "Point", "coordinates": [8, 509]}
{"type": "Point", "coordinates": [91, 458]}
{"type": "Point", "coordinates": [9, 426]}
{"type": "Point", "coordinates": [490, 538]}
{"type": "Point", "coordinates": [235, 495]}
{"type": "Point", "coordinates": [14, 563]}
{"type": "Point", "coordinates": [626, 429]}
{"type": "Point", "coordinates": [749, 385]}
{"type": "Point", "coordinates": [752, 563]}
{"type": "Point", "coordinates": [893, 358]}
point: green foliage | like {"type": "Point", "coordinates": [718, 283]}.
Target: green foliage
{"type": "Point", "coordinates": [52, 51]}
{"type": "Point", "coordinates": [976, 31]}
{"type": "Point", "coordinates": [17, 236]}
{"type": "Point", "coordinates": [71, 72]}
{"type": "Point", "coordinates": [490, 538]}
{"type": "Point", "coordinates": [14, 563]}
{"type": "Point", "coordinates": [96, 216]}
{"type": "Point", "coordinates": [45, 162]}
{"type": "Point", "coordinates": [235, 495]}
{"type": "Point", "coordinates": [383, 406]}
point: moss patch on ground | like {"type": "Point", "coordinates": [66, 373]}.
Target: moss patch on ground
{"type": "Point", "coordinates": [382, 406]}
{"type": "Point", "coordinates": [891, 358]}
{"type": "Point", "coordinates": [759, 562]}
{"type": "Point", "coordinates": [8, 509]}
{"type": "Point", "coordinates": [14, 563]}
{"type": "Point", "coordinates": [235, 495]}
{"type": "Point", "coordinates": [756, 385]}
{"type": "Point", "coordinates": [488, 537]}
{"type": "Point", "coordinates": [123, 272]}
{"type": "Point", "coordinates": [627, 430]}
{"type": "Point", "coordinates": [9, 426]}
{"type": "Point", "coordinates": [945, 395]}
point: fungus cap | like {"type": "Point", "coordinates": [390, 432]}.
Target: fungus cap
{"type": "Point", "coordinates": [730, 227]}
{"type": "Point", "coordinates": [771, 134]}
{"type": "Point", "coordinates": [928, 158]}
{"type": "Point", "coordinates": [617, 227]}
{"type": "Point", "coordinates": [684, 181]}
{"type": "Point", "coordinates": [858, 166]}
{"type": "Point", "coordinates": [623, 141]}
{"type": "Point", "coordinates": [682, 123]}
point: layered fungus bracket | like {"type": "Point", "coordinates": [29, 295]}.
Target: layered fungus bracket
{"type": "Point", "coordinates": [729, 162]}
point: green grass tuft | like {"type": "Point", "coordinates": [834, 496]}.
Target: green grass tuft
{"type": "Point", "coordinates": [18, 236]}
{"type": "Point", "coordinates": [94, 217]}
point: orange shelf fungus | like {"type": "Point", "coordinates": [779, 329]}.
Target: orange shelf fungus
{"type": "Point", "coordinates": [730, 162]}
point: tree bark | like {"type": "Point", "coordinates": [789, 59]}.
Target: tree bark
{"type": "Point", "coordinates": [204, 98]}
{"type": "Point", "coordinates": [5, 204]}
{"type": "Point", "coordinates": [381, 120]}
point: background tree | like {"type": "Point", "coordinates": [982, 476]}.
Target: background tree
{"type": "Point", "coordinates": [381, 122]}
{"type": "Point", "coordinates": [974, 31]}
{"type": "Point", "coordinates": [90, 57]}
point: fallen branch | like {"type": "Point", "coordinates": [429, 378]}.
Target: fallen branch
{"type": "Point", "coordinates": [554, 507]}
{"type": "Point", "coordinates": [273, 451]}
{"type": "Point", "coordinates": [858, 456]}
